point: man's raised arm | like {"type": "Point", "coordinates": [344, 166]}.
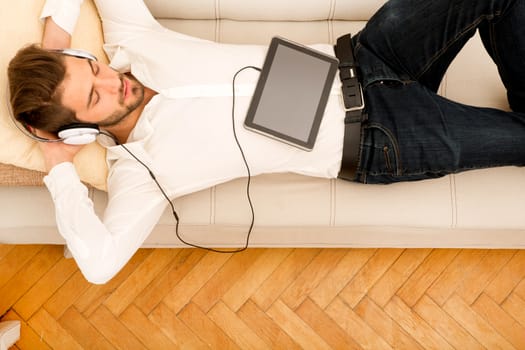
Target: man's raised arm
{"type": "Point", "coordinates": [54, 36]}
{"type": "Point", "coordinates": [60, 18]}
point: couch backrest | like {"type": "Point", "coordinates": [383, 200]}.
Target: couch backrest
{"type": "Point", "coordinates": [267, 10]}
{"type": "Point", "coordinates": [472, 78]}
{"type": "Point", "coordinates": [256, 22]}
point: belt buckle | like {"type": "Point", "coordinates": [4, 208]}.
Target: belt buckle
{"type": "Point", "coordinates": [351, 75]}
{"type": "Point", "coordinates": [353, 108]}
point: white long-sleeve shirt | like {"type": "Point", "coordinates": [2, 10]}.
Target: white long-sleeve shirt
{"type": "Point", "coordinates": [184, 134]}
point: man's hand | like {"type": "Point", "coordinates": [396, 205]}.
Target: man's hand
{"type": "Point", "coordinates": [54, 37]}
{"type": "Point", "coordinates": [56, 152]}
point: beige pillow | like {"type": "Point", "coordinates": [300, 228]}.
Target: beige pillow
{"type": "Point", "coordinates": [20, 25]}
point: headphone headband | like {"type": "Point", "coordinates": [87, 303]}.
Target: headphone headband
{"type": "Point", "coordinates": [76, 53]}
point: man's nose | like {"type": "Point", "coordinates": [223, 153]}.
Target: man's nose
{"type": "Point", "coordinates": [108, 83]}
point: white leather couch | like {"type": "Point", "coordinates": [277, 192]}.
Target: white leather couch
{"type": "Point", "coordinates": [473, 209]}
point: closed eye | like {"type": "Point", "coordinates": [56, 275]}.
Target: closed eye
{"type": "Point", "coordinates": [93, 97]}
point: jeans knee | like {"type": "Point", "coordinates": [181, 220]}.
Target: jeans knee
{"type": "Point", "coordinates": [383, 25]}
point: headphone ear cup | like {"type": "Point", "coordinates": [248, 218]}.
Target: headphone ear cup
{"type": "Point", "coordinates": [79, 134]}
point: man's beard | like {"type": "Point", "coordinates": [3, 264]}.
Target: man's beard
{"type": "Point", "coordinates": [137, 91]}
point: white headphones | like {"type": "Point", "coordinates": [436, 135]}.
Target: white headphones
{"type": "Point", "coordinates": [73, 134]}
{"type": "Point", "coordinates": [79, 134]}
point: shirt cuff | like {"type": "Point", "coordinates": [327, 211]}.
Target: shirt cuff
{"type": "Point", "coordinates": [61, 177]}
{"type": "Point", "coordinates": [64, 13]}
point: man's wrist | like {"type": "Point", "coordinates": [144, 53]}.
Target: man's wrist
{"type": "Point", "coordinates": [53, 162]}
{"type": "Point", "coordinates": [54, 36]}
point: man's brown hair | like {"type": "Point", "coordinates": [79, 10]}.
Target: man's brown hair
{"type": "Point", "coordinates": [34, 77]}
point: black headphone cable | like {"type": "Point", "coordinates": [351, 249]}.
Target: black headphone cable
{"type": "Point", "coordinates": [170, 202]}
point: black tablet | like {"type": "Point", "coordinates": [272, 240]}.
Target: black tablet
{"type": "Point", "coordinates": [291, 94]}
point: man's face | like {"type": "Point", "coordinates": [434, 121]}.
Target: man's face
{"type": "Point", "coordinates": [97, 93]}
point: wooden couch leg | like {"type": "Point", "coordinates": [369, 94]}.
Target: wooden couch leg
{"type": "Point", "coordinates": [67, 253]}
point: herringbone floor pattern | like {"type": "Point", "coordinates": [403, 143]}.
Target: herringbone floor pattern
{"type": "Point", "coordinates": [270, 299]}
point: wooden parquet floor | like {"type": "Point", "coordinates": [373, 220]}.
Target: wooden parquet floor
{"type": "Point", "coordinates": [270, 299]}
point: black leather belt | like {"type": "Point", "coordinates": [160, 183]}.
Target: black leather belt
{"type": "Point", "coordinates": [354, 103]}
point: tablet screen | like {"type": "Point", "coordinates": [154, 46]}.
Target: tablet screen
{"type": "Point", "coordinates": [291, 94]}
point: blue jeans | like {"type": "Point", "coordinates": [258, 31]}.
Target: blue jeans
{"type": "Point", "coordinates": [411, 132]}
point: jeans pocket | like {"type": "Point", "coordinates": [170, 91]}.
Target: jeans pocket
{"type": "Point", "coordinates": [381, 152]}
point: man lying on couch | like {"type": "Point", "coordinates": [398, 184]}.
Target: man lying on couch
{"type": "Point", "coordinates": [408, 132]}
